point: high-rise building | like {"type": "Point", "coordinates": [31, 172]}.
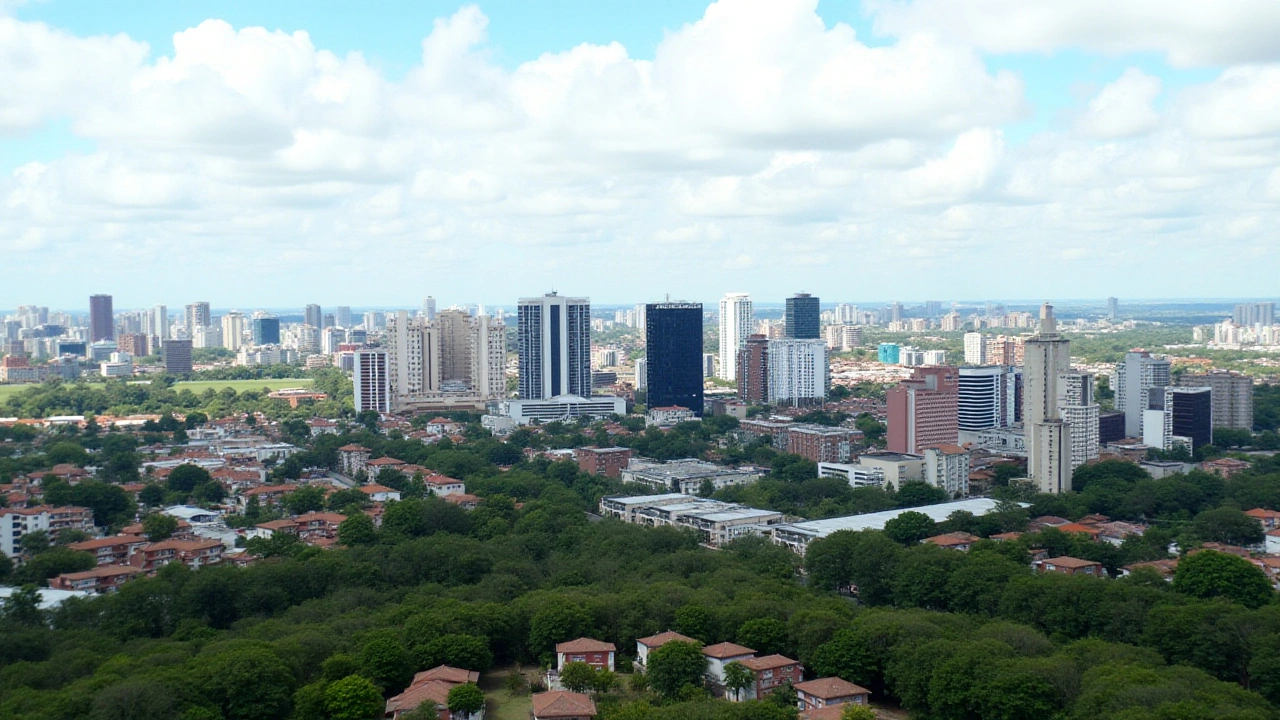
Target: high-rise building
{"type": "Point", "coordinates": [233, 326]}
{"type": "Point", "coordinates": [177, 356]}
{"type": "Point", "coordinates": [371, 381]}
{"type": "Point", "coordinates": [803, 317]}
{"type": "Point", "coordinates": [1178, 416]}
{"type": "Point", "coordinates": [1113, 308]}
{"type": "Point", "coordinates": [207, 336]}
{"type": "Point", "coordinates": [753, 370]}
{"type": "Point", "coordinates": [553, 338]}
{"type": "Point", "coordinates": [1232, 397]}
{"type": "Point", "coordinates": [313, 316]}
{"type": "Point", "coordinates": [975, 349]}
{"type": "Point", "coordinates": [266, 331]}
{"type": "Point", "coordinates": [342, 316]}
{"type": "Point", "coordinates": [133, 344]}
{"type": "Point", "coordinates": [708, 365]}
{"type": "Point", "coordinates": [923, 410]}
{"type": "Point", "coordinates": [673, 354]}
{"type": "Point", "coordinates": [987, 397]}
{"type": "Point", "coordinates": [889, 353]}
{"type": "Point", "coordinates": [799, 372]}
{"type": "Point", "coordinates": [736, 323]}
{"type": "Point", "coordinates": [429, 308]}
{"type": "Point", "coordinates": [642, 374]}
{"type": "Point", "coordinates": [455, 358]}
{"type": "Point", "coordinates": [1254, 314]}
{"type": "Point", "coordinates": [197, 315]}
{"type": "Point", "coordinates": [1134, 379]}
{"type": "Point", "coordinates": [1078, 410]}
{"type": "Point", "coordinates": [158, 322]}
{"type": "Point", "coordinates": [102, 324]}
{"type": "Point", "coordinates": [1048, 435]}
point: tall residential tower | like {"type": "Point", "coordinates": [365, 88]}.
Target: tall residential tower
{"type": "Point", "coordinates": [1048, 358]}
{"type": "Point", "coordinates": [736, 323]}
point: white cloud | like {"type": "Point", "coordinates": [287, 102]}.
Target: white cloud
{"type": "Point", "coordinates": [1189, 32]}
{"type": "Point", "coordinates": [1123, 108]}
{"type": "Point", "coordinates": [758, 143]}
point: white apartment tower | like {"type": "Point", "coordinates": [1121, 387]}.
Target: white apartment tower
{"type": "Point", "coordinates": [1048, 434]}
{"type": "Point", "coordinates": [799, 371]}
{"type": "Point", "coordinates": [455, 357]}
{"type": "Point", "coordinates": [736, 322]}
{"type": "Point", "coordinates": [1076, 405]}
{"type": "Point", "coordinates": [975, 349]}
{"type": "Point", "coordinates": [371, 380]}
{"type": "Point", "coordinates": [233, 327]}
{"type": "Point", "coordinates": [1134, 378]}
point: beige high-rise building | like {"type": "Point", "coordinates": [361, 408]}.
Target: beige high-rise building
{"type": "Point", "coordinates": [1048, 358]}
{"type": "Point", "coordinates": [453, 360]}
{"type": "Point", "coordinates": [1232, 397]}
{"type": "Point", "coordinates": [233, 327]}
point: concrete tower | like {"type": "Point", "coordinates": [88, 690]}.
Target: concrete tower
{"type": "Point", "coordinates": [1047, 357]}
{"type": "Point", "coordinates": [736, 323]}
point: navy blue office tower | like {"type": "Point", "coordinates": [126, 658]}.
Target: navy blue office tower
{"type": "Point", "coordinates": [803, 317]}
{"type": "Point", "coordinates": [673, 355]}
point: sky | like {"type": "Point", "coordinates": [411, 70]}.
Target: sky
{"type": "Point", "coordinates": [370, 154]}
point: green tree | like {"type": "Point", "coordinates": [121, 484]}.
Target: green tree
{"type": "Point", "coordinates": [696, 622]}
{"type": "Point", "coordinates": [309, 498]}
{"type": "Point", "coordinates": [856, 711]}
{"type": "Point", "coordinates": [767, 636]}
{"type": "Point", "coordinates": [1209, 574]}
{"type": "Point", "coordinates": [910, 527]}
{"type": "Point", "coordinates": [737, 678]}
{"type": "Point", "coordinates": [186, 477]}
{"type": "Point", "coordinates": [1227, 525]}
{"type": "Point", "coordinates": [385, 661]}
{"type": "Point", "coordinates": [466, 698]}
{"type": "Point", "coordinates": [159, 526]}
{"type": "Point", "coordinates": [133, 699]}
{"type": "Point", "coordinates": [577, 676]}
{"type": "Point", "coordinates": [353, 698]}
{"type": "Point", "coordinates": [916, 493]}
{"type": "Point", "coordinates": [675, 665]}
{"type": "Point", "coordinates": [52, 563]}
{"type": "Point", "coordinates": [249, 683]}
{"type": "Point", "coordinates": [357, 529]}
{"type": "Point", "coordinates": [151, 495]}
{"type": "Point", "coordinates": [22, 607]}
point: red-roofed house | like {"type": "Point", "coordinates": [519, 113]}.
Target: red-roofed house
{"type": "Point", "coordinates": [827, 692]}
{"type": "Point", "coordinates": [102, 579]}
{"type": "Point", "coordinates": [771, 672]}
{"type": "Point", "coordinates": [379, 493]}
{"type": "Point", "coordinates": [954, 541]}
{"type": "Point", "coordinates": [1091, 530]}
{"type": "Point", "coordinates": [562, 705]}
{"type": "Point", "coordinates": [646, 645]}
{"type": "Point", "coordinates": [267, 494]}
{"type": "Point", "coordinates": [433, 686]}
{"type": "Point", "coordinates": [192, 553]}
{"type": "Point", "coordinates": [442, 485]}
{"type": "Point", "coordinates": [113, 550]}
{"type": "Point", "coordinates": [722, 654]}
{"type": "Point", "coordinates": [595, 653]}
{"type": "Point", "coordinates": [464, 501]}
{"type": "Point", "coordinates": [1224, 467]}
{"type": "Point", "coordinates": [318, 524]}
{"type": "Point", "coordinates": [1069, 566]}
{"type": "Point", "coordinates": [1270, 519]}
{"type": "Point", "coordinates": [352, 459]}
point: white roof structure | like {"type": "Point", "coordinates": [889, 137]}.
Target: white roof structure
{"type": "Point", "coordinates": [49, 598]}
{"type": "Point", "coordinates": [877, 520]}
{"type": "Point", "coordinates": [191, 514]}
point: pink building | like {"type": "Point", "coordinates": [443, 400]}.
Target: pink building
{"type": "Point", "coordinates": [923, 410]}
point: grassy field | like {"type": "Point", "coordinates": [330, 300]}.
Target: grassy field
{"type": "Point", "coordinates": [500, 704]}
{"type": "Point", "coordinates": [199, 386]}
{"type": "Point", "coordinates": [7, 390]}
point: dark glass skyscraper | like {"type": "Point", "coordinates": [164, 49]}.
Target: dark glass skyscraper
{"type": "Point", "coordinates": [803, 317]}
{"type": "Point", "coordinates": [1192, 413]}
{"type": "Point", "coordinates": [673, 355]}
{"type": "Point", "coordinates": [266, 331]}
{"type": "Point", "coordinates": [101, 319]}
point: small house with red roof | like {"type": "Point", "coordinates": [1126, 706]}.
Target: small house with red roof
{"type": "Point", "coordinates": [433, 686]}
{"type": "Point", "coordinates": [771, 672]}
{"type": "Point", "coordinates": [720, 655]}
{"type": "Point", "coordinates": [562, 705]}
{"type": "Point", "coordinates": [100, 580]}
{"type": "Point", "coordinates": [379, 493]}
{"type": "Point", "coordinates": [1069, 566]}
{"type": "Point", "coordinates": [829, 692]}
{"type": "Point", "coordinates": [646, 645]}
{"type": "Point", "coordinates": [597, 654]}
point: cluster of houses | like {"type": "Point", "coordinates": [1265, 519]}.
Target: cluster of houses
{"type": "Point", "coordinates": [819, 699]}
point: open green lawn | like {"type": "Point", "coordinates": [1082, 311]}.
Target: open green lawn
{"type": "Point", "coordinates": [500, 704]}
{"type": "Point", "coordinates": [199, 386]}
{"type": "Point", "coordinates": [7, 390]}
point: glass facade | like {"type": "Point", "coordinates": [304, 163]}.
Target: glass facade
{"type": "Point", "coordinates": [803, 317]}
{"type": "Point", "coordinates": [673, 355]}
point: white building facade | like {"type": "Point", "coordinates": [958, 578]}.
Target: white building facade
{"type": "Point", "coordinates": [737, 321]}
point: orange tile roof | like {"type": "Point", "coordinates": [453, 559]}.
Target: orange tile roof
{"type": "Point", "coordinates": [1070, 562]}
{"type": "Point", "coordinates": [562, 704]}
{"type": "Point", "coordinates": [662, 638]}
{"type": "Point", "coordinates": [769, 662]}
{"type": "Point", "coordinates": [723, 650]}
{"type": "Point", "coordinates": [584, 645]}
{"type": "Point", "coordinates": [831, 687]}
{"type": "Point", "coordinates": [444, 673]}
{"type": "Point", "coordinates": [102, 571]}
{"type": "Point", "coordinates": [111, 541]}
{"type": "Point", "coordinates": [434, 690]}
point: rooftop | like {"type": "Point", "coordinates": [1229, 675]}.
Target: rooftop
{"type": "Point", "coordinates": [877, 520]}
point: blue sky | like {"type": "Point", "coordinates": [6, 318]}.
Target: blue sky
{"type": "Point", "coordinates": [1057, 151]}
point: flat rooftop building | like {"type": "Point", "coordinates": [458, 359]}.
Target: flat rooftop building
{"type": "Point", "coordinates": [715, 522]}
{"type": "Point", "coordinates": [797, 536]}
{"type": "Point", "coordinates": [685, 476]}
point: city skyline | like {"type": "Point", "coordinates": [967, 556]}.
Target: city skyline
{"type": "Point", "coordinates": [377, 148]}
